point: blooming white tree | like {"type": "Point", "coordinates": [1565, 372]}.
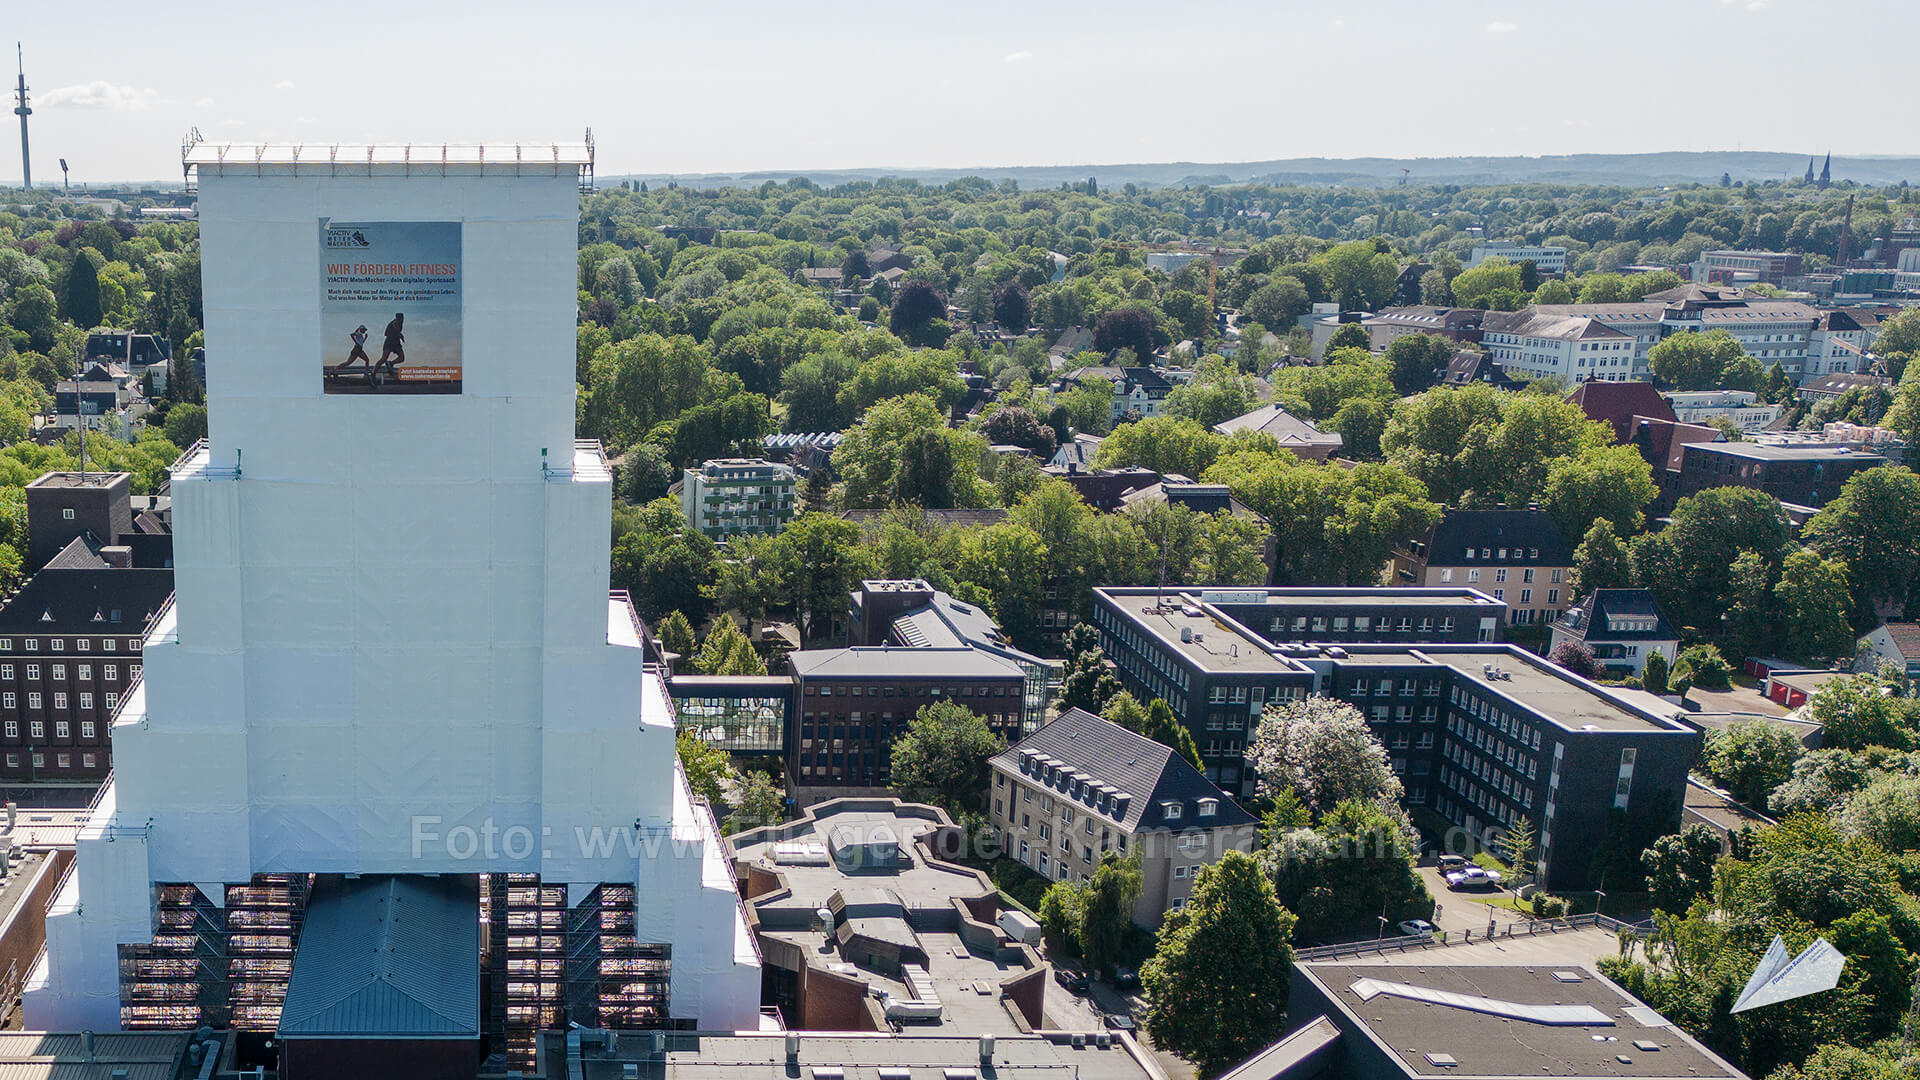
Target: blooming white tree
{"type": "Point", "coordinates": [1322, 751]}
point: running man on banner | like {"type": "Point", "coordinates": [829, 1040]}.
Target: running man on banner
{"type": "Point", "coordinates": [394, 345]}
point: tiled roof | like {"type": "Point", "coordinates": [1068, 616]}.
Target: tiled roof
{"type": "Point", "coordinates": [91, 601]}
{"type": "Point", "coordinates": [1518, 531]}
{"type": "Point", "coordinates": [1289, 429]}
{"type": "Point", "coordinates": [893, 662]}
{"type": "Point", "coordinates": [1116, 761]}
{"type": "Point", "coordinates": [1906, 638]}
{"type": "Point", "coordinates": [1617, 403]}
{"type": "Point", "coordinates": [1539, 323]}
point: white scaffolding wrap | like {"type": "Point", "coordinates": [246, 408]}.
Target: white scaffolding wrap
{"type": "Point", "coordinates": [392, 649]}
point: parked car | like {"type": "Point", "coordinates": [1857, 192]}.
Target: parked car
{"type": "Point", "coordinates": [1474, 877]}
{"type": "Point", "coordinates": [1125, 978]}
{"type": "Point", "coordinates": [1417, 928]}
{"type": "Point", "coordinates": [1074, 981]}
{"type": "Point", "coordinates": [1120, 1022]}
{"type": "Point", "coordinates": [1452, 862]}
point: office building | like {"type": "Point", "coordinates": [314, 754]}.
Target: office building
{"type": "Point", "coordinates": [1217, 656]}
{"type": "Point", "coordinates": [361, 699]}
{"type": "Point", "coordinates": [1519, 556]}
{"type": "Point", "coordinates": [1539, 343]}
{"type": "Point", "coordinates": [1080, 787]}
{"type": "Point", "coordinates": [1545, 258]}
{"type": "Point", "coordinates": [1480, 734]}
{"type": "Point", "coordinates": [1745, 267]}
{"type": "Point", "coordinates": [1800, 476]}
{"type": "Point", "coordinates": [738, 497]}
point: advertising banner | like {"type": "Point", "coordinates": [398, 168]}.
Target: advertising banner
{"type": "Point", "coordinates": [390, 307]}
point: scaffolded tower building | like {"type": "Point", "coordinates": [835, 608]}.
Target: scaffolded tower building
{"type": "Point", "coordinates": [392, 650]}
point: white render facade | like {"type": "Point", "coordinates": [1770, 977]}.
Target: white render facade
{"type": "Point", "coordinates": [392, 632]}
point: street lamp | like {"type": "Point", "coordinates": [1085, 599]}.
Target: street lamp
{"type": "Point", "coordinates": [1381, 936]}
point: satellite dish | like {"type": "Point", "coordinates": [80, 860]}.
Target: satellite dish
{"type": "Point", "coordinates": [1779, 979]}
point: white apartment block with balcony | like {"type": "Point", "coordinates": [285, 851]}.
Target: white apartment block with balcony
{"type": "Point", "coordinates": [738, 497]}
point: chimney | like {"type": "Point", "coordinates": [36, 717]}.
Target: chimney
{"type": "Point", "coordinates": [120, 558]}
{"type": "Point", "coordinates": [793, 1049]}
{"type": "Point", "coordinates": [986, 1050]}
{"type": "Point", "coordinates": [86, 1045]}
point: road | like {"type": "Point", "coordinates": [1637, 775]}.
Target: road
{"type": "Point", "coordinates": [1463, 911]}
{"type": "Point", "coordinates": [1067, 1011]}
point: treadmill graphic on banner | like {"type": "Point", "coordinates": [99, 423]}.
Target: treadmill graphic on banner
{"type": "Point", "coordinates": [390, 307]}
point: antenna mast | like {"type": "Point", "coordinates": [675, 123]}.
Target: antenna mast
{"type": "Point", "coordinates": [23, 110]}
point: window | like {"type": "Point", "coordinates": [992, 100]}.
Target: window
{"type": "Point", "coordinates": [83, 644]}
{"type": "Point", "coordinates": [59, 644]}
{"type": "Point", "coordinates": [113, 700]}
{"type": "Point", "coordinates": [1170, 810]}
{"type": "Point", "coordinates": [86, 729]}
{"type": "Point", "coordinates": [1207, 807]}
{"type": "Point", "coordinates": [87, 761]}
{"type": "Point", "coordinates": [59, 671]}
{"type": "Point", "coordinates": [1446, 574]}
{"type": "Point", "coordinates": [111, 673]}
{"type": "Point", "coordinates": [60, 730]}
{"type": "Point", "coordinates": [36, 730]}
{"type": "Point", "coordinates": [33, 702]}
{"type": "Point", "coordinates": [1473, 576]}
{"type": "Point", "coordinates": [13, 729]}
{"type": "Point", "coordinates": [33, 672]}
{"type": "Point", "coordinates": [33, 644]}
{"type": "Point", "coordinates": [108, 645]}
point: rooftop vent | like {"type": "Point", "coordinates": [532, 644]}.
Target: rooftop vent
{"type": "Point", "coordinates": [1646, 1046]}
{"type": "Point", "coordinates": [1445, 1061]}
{"type": "Point", "coordinates": [1566, 976]}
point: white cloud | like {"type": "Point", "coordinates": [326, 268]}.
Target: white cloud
{"type": "Point", "coordinates": [1502, 27]}
{"type": "Point", "coordinates": [101, 95]}
{"type": "Point", "coordinates": [1756, 5]}
{"type": "Point", "coordinates": [283, 84]}
{"type": "Point", "coordinates": [1017, 57]}
{"type": "Point", "coordinates": [204, 103]}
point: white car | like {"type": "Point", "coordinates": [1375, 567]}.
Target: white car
{"type": "Point", "coordinates": [1474, 877]}
{"type": "Point", "coordinates": [1417, 928]}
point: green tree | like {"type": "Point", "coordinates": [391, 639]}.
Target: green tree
{"type": "Point", "coordinates": [1600, 561]}
{"type": "Point", "coordinates": [1612, 484]}
{"type": "Point", "coordinates": [1417, 360]}
{"type": "Point", "coordinates": [1680, 868]}
{"type": "Point", "coordinates": [728, 652]}
{"type": "Point", "coordinates": [1494, 285]}
{"type": "Point", "coordinates": [1697, 361]}
{"type": "Point", "coordinates": [1688, 565]}
{"type": "Point", "coordinates": [676, 635]}
{"type": "Point", "coordinates": [1350, 336]}
{"type": "Point", "coordinates": [1654, 679]}
{"type": "Point", "coordinates": [1107, 914]}
{"type": "Point", "coordinates": [1323, 751]}
{"type": "Point", "coordinates": [83, 292]}
{"type": "Point", "coordinates": [1874, 526]}
{"type": "Point", "coordinates": [943, 756]}
{"type": "Point", "coordinates": [662, 562]}
{"type": "Point", "coordinates": [1163, 727]}
{"type": "Point", "coordinates": [1812, 599]}
{"type": "Point", "coordinates": [1061, 909]}
{"type": "Point", "coordinates": [709, 771]}
{"type": "Point", "coordinates": [1162, 443]}
{"type": "Point", "coordinates": [1751, 758]}
{"type": "Point", "coordinates": [1858, 712]}
{"type": "Point", "coordinates": [825, 561]}
{"type": "Point", "coordinates": [1278, 303]}
{"type": "Point", "coordinates": [919, 314]}
{"type": "Point", "coordinates": [757, 801]}
{"type": "Point", "coordinates": [1217, 985]}
{"type": "Point", "coordinates": [1333, 525]}
{"type": "Point", "coordinates": [186, 424]}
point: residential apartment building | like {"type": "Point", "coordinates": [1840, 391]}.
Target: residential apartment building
{"type": "Point", "coordinates": [1545, 258]}
{"type": "Point", "coordinates": [1519, 556]}
{"type": "Point", "coordinates": [1621, 627]}
{"type": "Point", "coordinates": [1138, 389]}
{"type": "Point", "coordinates": [1745, 267]}
{"type": "Point", "coordinates": [1742, 408]}
{"type": "Point", "coordinates": [738, 497]}
{"type": "Point", "coordinates": [1800, 476]}
{"type": "Point", "coordinates": [1296, 436]}
{"type": "Point", "coordinates": [1082, 786]}
{"type": "Point", "coordinates": [1218, 656]}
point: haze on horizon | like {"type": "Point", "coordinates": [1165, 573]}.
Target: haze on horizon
{"type": "Point", "coordinates": [756, 86]}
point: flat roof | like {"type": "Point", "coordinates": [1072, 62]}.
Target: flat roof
{"type": "Point", "coordinates": [1547, 690]}
{"type": "Point", "coordinates": [1463, 1017]}
{"type": "Point", "coordinates": [907, 1055]}
{"type": "Point", "coordinates": [56, 1055]}
{"type": "Point", "coordinates": [882, 662]}
{"type": "Point", "coordinates": [1216, 646]}
{"type": "Point", "coordinates": [1773, 452]}
{"type": "Point", "coordinates": [1359, 597]}
{"type": "Point", "coordinates": [94, 478]}
{"type": "Point", "coordinates": [919, 884]}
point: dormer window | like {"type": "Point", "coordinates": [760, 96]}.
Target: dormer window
{"type": "Point", "coordinates": [1207, 807]}
{"type": "Point", "coordinates": [1170, 810]}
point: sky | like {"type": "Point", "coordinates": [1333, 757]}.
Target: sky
{"type": "Point", "coordinates": [752, 85]}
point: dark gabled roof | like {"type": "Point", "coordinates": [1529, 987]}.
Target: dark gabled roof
{"type": "Point", "coordinates": [1617, 403]}
{"type": "Point", "coordinates": [1519, 531]}
{"type": "Point", "coordinates": [1590, 618]}
{"type": "Point", "coordinates": [1120, 762]}
{"type": "Point", "coordinates": [79, 554]}
{"type": "Point", "coordinates": [1841, 382]}
{"type": "Point", "coordinates": [1664, 442]}
{"type": "Point", "coordinates": [387, 955]}
{"type": "Point", "coordinates": [62, 601]}
{"type": "Point", "coordinates": [1905, 637]}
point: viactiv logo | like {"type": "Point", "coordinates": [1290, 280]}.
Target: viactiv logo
{"type": "Point", "coordinates": [347, 238]}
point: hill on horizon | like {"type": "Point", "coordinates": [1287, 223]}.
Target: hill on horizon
{"type": "Point", "coordinates": [1621, 170]}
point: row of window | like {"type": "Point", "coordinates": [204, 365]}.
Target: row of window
{"type": "Point", "coordinates": [37, 729]}
{"type": "Point", "coordinates": [1361, 624]}
{"type": "Point", "coordinates": [60, 644]}
{"type": "Point", "coordinates": [83, 672]}
{"type": "Point", "coordinates": [909, 691]}
{"type": "Point", "coordinates": [61, 760]}
{"type": "Point", "coordinates": [35, 700]}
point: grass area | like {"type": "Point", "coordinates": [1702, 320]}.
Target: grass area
{"type": "Point", "coordinates": [1486, 860]}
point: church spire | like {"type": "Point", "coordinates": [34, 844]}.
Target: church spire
{"type": "Point", "coordinates": [1826, 170]}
